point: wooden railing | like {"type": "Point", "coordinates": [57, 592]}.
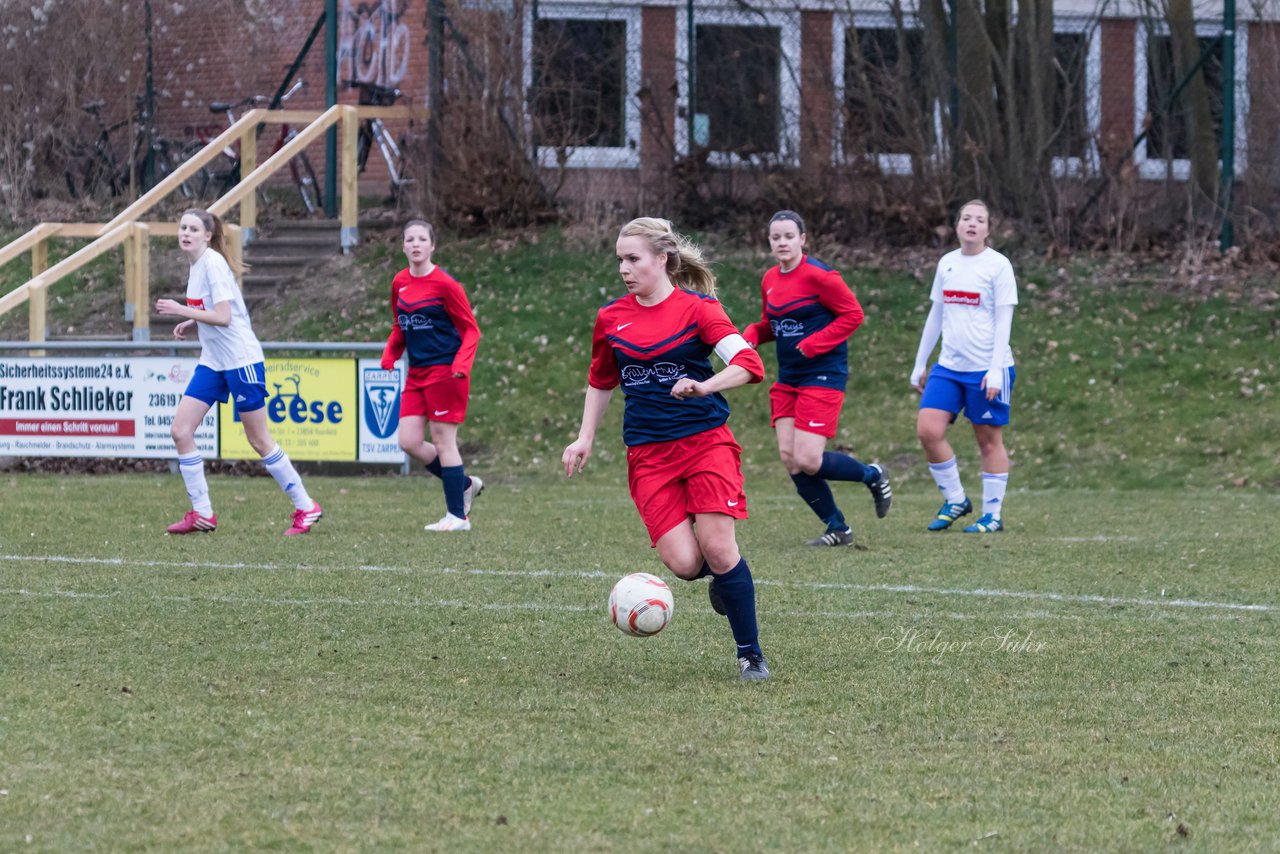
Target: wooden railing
{"type": "Point", "coordinates": [128, 229]}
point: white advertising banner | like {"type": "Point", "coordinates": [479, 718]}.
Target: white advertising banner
{"type": "Point", "coordinates": [379, 412]}
{"type": "Point", "coordinates": [95, 407]}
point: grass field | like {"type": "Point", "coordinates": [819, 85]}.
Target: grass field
{"type": "Point", "coordinates": [1101, 676]}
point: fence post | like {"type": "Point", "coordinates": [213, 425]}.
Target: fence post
{"type": "Point", "coordinates": [1228, 156]}
{"type": "Point", "coordinates": [37, 315]}
{"type": "Point", "coordinates": [249, 204]}
{"type": "Point", "coordinates": [39, 257]}
{"type": "Point", "coordinates": [130, 276]}
{"type": "Point", "coordinates": [235, 251]}
{"type": "Point", "coordinates": [350, 233]}
{"type": "Point", "coordinates": [142, 282]}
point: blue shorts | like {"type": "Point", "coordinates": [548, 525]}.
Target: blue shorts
{"type": "Point", "coordinates": [956, 391]}
{"type": "Point", "coordinates": [246, 386]}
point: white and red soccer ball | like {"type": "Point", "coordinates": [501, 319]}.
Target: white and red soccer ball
{"type": "Point", "coordinates": [641, 604]}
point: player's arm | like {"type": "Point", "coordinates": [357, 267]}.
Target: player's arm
{"type": "Point", "coordinates": [576, 454]}
{"type": "Point", "coordinates": [395, 341]}
{"type": "Point", "coordinates": [219, 315]}
{"type": "Point", "coordinates": [742, 365]}
{"type": "Point", "coordinates": [464, 320]}
{"type": "Point", "coordinates": [602, 378]}
{"type": "Point", "coordinates": [994, 380]}
{"type": "Point", "coordinates": [836, 297]}
{"type": "Point", "coordinates": [928, 340]}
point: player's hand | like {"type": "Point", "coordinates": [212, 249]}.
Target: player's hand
{"type": "Point", "coordinates": [180, 331]}
{"type": "Point", "coordinates": [918, 377]}
{"type": "Point", "coordinates": [168, 308]}
{"type": "Point", "coordinates": [991, 382]}
{"type": "Point", "coordinates": [387, 364]}
{"type": "Point", "coordinates": [686, 388]}
{"type": "Point", "coordinates": [575, 457]}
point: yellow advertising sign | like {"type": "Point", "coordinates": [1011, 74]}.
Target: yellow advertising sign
{"type": "Point", "coordinates": [312, 411]}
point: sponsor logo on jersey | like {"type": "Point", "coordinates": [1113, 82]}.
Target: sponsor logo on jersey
{"type": "Point", "coordinates": [786, 328]}
{"type": "Point", "coordinates": [662, 372]}
{"type": "Point", "coordinates": [961, 297]}
{"type": "Point", "coordinates": [414, 322]}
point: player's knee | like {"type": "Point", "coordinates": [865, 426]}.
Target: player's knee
{"type": "Point", "coordinates": [721, 557]}
{"type": "Point", "coordinates": [181, 433]}
{"type": "Point", "coordinates": [809, 464]}
{"type": "Point", "coordinates": [685, 570]}
{"type": "Point", "coordinates": [928, 433]}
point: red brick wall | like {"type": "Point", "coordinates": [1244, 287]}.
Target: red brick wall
{"type": "Point", "coordinates": [816, 91]}
{"type": "Point", "coordinates": [1116, 131]}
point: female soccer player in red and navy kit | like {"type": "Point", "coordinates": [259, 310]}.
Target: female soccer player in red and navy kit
{"type": "Point", "coordinates": [683, 464]}
{"type": "Point", "coordinates": [810, 313]}
{"type": "Point", "coordinates": [434, 326]}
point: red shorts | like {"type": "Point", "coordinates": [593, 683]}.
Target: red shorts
{"type": "Point", "coordinates": [671, 481]}
{"type": "Point", "coordinates": [815, 409]}
{"type": "Point", "coordinates": [436, 394]}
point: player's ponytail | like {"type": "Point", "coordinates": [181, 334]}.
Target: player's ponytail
{"type": "Point", "coordinates": [686, 266]}
{"type": "Point", "coordinates": [217, 236]}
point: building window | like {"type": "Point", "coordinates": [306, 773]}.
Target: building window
{"type": "Point", "coordinates": [888, 110]}
{"type": "Point", "coordinates": [581, 65]}
{"type": "Point", "coordinates": [1166, 150]}
{"type": "Point", "coordinates": [1077, 106]}
{"type": "Point", "coordinates": [738, 88]}
{"type": "Point", "coordinates": [746, 94]}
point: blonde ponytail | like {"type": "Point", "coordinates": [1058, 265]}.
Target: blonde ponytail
{"type": "Point", "coordinates": [686, 265]}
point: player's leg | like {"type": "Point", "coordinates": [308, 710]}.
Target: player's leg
{"type": "Point", "coordinates": [306, 510]}
{"type": "Point", "coordinates": [734, 588]}
{"type": "Point", "coordinates": [447, 405]}
{"type": "Point", "coordinates": [412, 433]}
{"type": "Point", "coordinates": [200, 519]}
{"type": "Point", "coordinates": [817, 419]}
{"type": "Point", "coordinates": [942, 400]}
{"type": "Point", "coordinates": [205, 388]}
{"type": "Point", "coordinates": [995, 478]}
{"type": "Point", "coordinates": [989, 416]}
{"type": "Point", "coordinates": [814, 491]}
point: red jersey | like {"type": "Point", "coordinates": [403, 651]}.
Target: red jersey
{"type": "Point", "coordinates": [811, 313]}
{"type": "Point", "coordinates": [433, 323]}
{"type": "Point", "coordinates": [646, 349]}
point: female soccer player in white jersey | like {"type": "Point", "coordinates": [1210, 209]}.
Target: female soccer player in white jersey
{"type": "Point", "coordinates": [974, 293]}
{"type": "Point", "coordinates": [683, 464]}
{"type": "Point", "coordinates": [231, 364]}
{"type": "Point", "coordinates": [810, 312]}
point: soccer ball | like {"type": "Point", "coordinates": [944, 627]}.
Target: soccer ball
{"type": "Point", "coordinates": [641, 604]}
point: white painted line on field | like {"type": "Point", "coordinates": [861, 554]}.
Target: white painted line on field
{"type": "Point", "coordinates": [546, 607]}
{"type": "Point", "coordinates": [912, 589]}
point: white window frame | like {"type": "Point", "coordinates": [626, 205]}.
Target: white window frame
{"type": "Point", "coordinates": [889, 163]}
{"type": "Point", "coordinates": [1179, 168]}
{"type": "Point", "coordinates": [587, 156]}
{"type": "Point", "coordinates": [1090, 164]}
{"type": "Point", "coordinates": [787, 23]}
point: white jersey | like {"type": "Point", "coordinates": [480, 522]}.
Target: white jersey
{"type": "Point", "coordinates": [223, 348]}
{"type": "Point", "coordinates": [969, 288]}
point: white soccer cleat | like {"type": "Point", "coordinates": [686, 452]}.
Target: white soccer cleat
{"type": "Point", "coordinates": [472, 491]}
{"type": "Point", "coordinates": [450, 522]}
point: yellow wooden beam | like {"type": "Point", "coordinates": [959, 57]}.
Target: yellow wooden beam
{"type": "Point", "coordinates": [249, 183]}
{"type": "Point", "coordinates": [142, 284]}
{"type": "Point", "coordinates": [31, 239]}
{"type": "Point", "coordinates": [350, 215]}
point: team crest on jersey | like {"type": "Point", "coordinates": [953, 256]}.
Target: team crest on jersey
{"type": "Point", "coordinates": [382, 400]}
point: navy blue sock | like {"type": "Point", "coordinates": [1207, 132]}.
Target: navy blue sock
{"type": "Point", "coordinates": [738, 592]}
{"type": "Point", "coordinates": [455, 483]}
{"type": "Point", "coordinates": [703, 572]}
{"type": "Point", "coordinates": [837, 466]}
{"type": "Point", "coordinates": [817, 494]}
{"type": "Point", "coordinates": [434, 467]}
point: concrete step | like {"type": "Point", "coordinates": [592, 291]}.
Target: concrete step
{"type": "Point", "coordinates": [294, 241]}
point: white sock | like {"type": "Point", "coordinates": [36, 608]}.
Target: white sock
{"type": "Point", "coordinates": [277, 462]}
{"type": "Point", "coordinates": [947, 476]}
{"type": "Point", "coordinates": [993, 487]}
{"type": "Point", "coordinates": [192, 469]}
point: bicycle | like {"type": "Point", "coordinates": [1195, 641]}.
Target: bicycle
{"type": "Point", "coordinates": [101, 169]}
{"type": "Point", "coordinates": [224, 172]}
{"type": "Point", "coordinates": [374, 132]}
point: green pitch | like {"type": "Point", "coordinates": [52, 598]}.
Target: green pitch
{"type": "Point", "coordinates": [1101, 676]}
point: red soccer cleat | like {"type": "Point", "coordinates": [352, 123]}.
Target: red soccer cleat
{"type": "Point", "coordinates": [194, 523]}
{"type": "Point", "coordinates": [304, 519]}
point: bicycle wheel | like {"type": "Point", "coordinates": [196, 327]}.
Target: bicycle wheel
{"type": "Point", "coordinates": [304, 177]}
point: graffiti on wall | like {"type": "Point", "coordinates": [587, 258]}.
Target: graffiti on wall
{"type": "Point", "coordinates": [373, 42]}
